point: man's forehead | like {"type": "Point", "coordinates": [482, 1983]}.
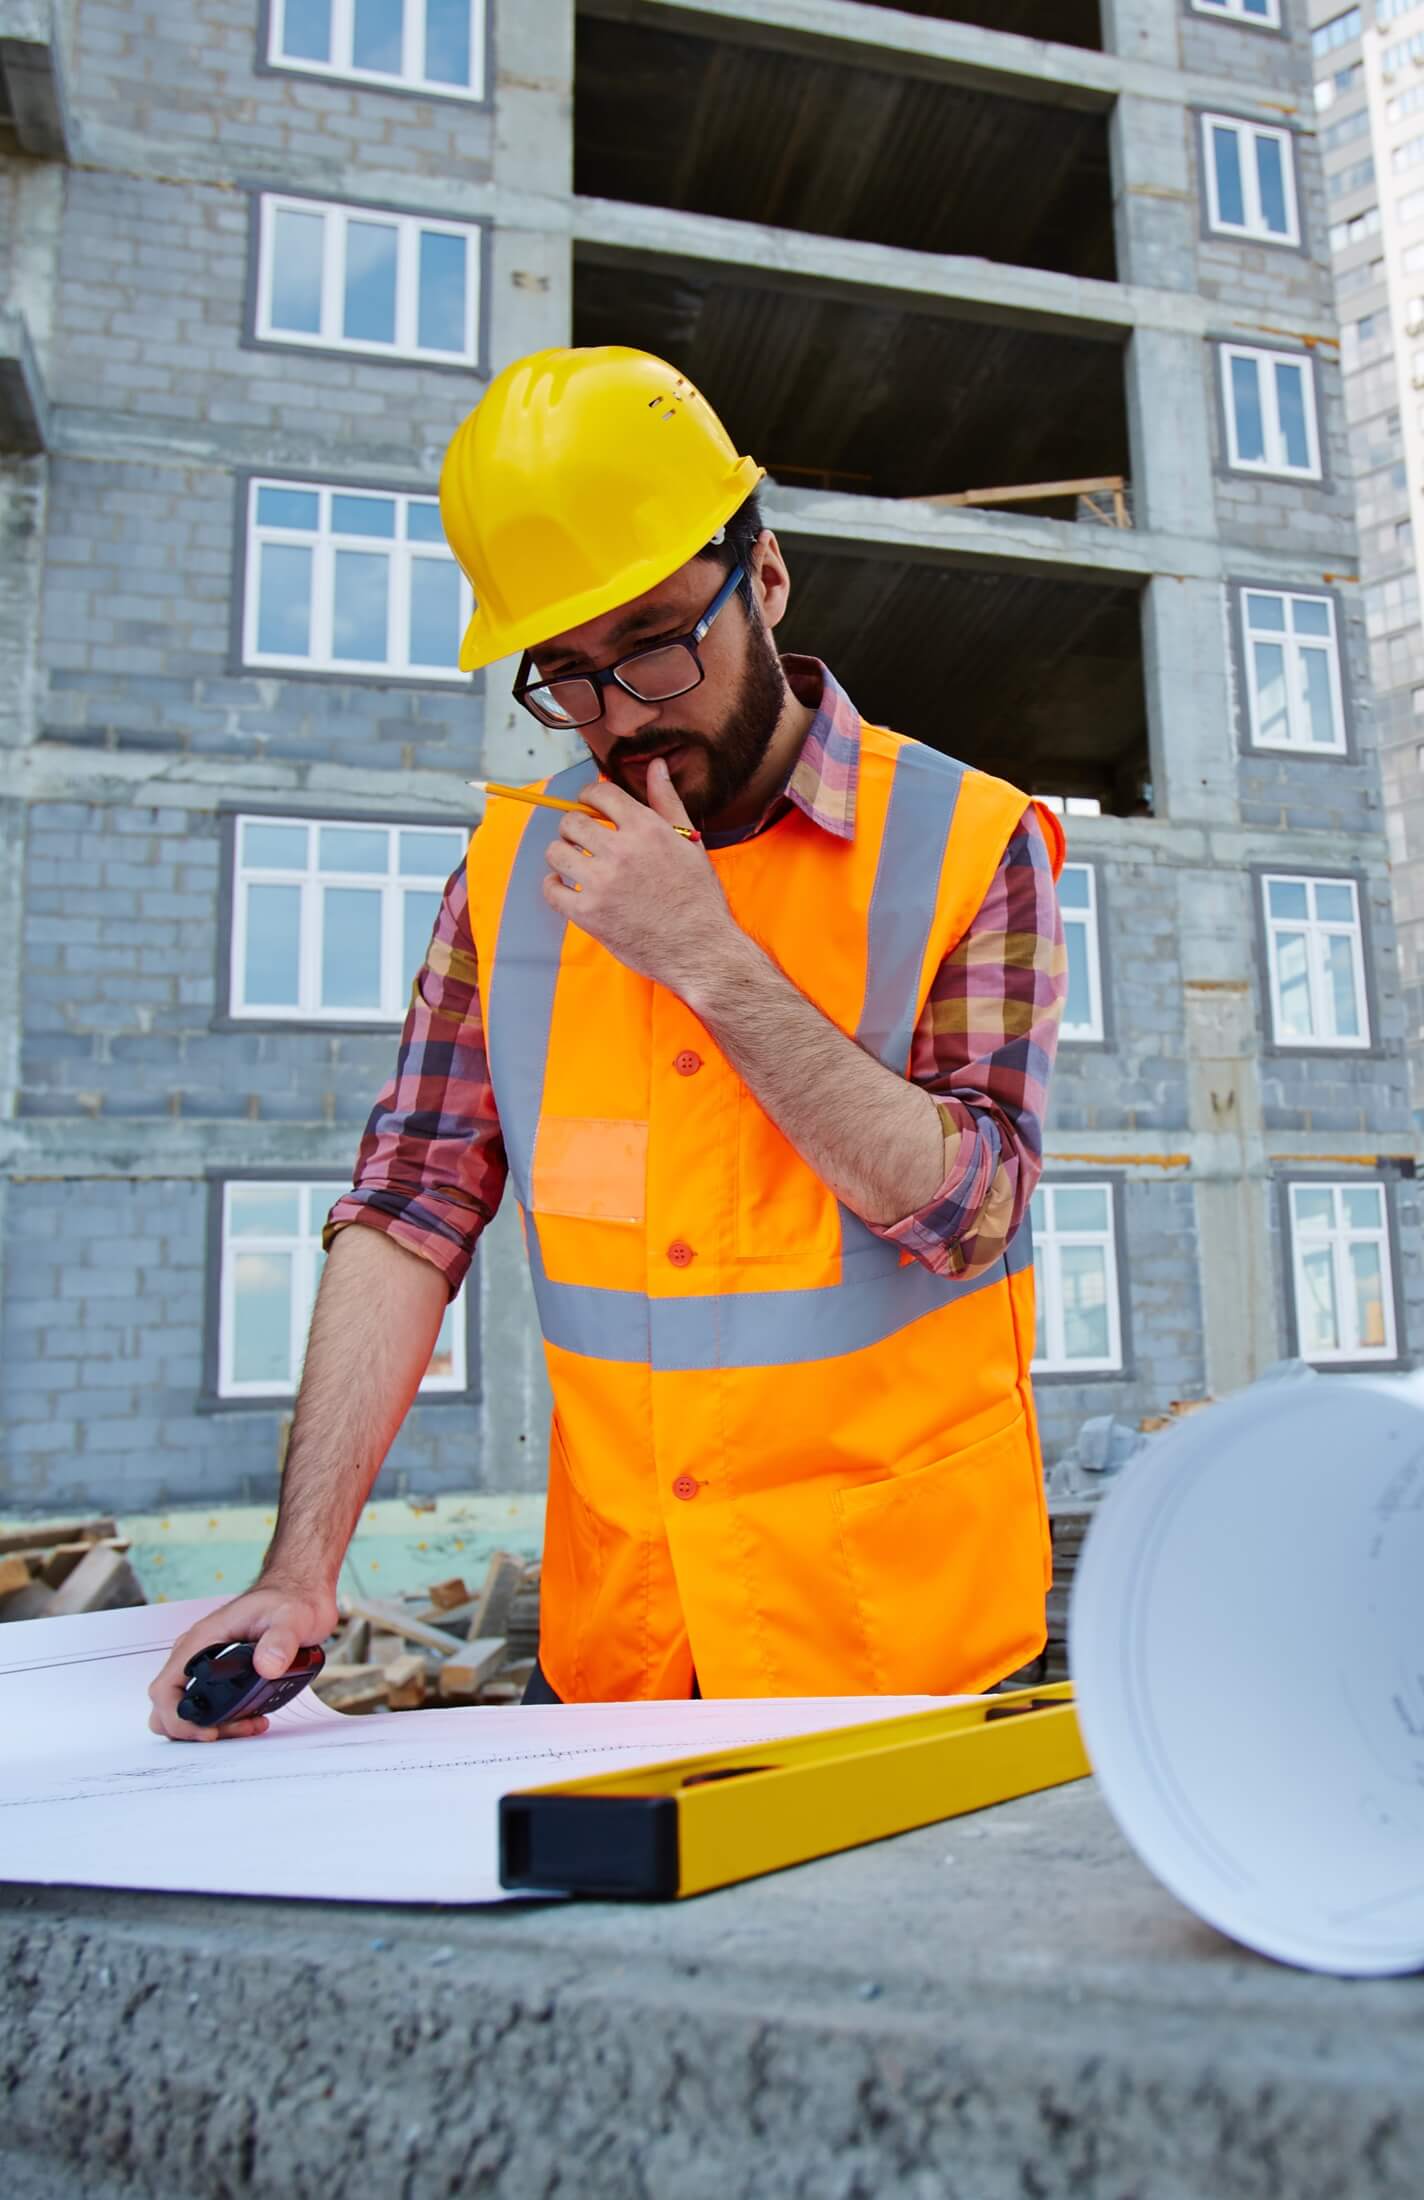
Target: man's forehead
{"type": "Point", "coordinates": [672, 600]}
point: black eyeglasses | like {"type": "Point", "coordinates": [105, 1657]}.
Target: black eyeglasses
{"type": "Point", "coordinates": [653, 675]}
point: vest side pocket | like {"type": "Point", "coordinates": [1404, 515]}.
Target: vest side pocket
{"type": "Point", "coordinates": [946, 1566]}
{"type": "Point", "coordinates": [591, 1168]}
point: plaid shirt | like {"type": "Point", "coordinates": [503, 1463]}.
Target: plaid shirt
{"type": "Point", "coordinates": [431, 1166]}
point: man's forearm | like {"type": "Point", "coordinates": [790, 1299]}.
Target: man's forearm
{"type": "Point", "coordinates": [876, 1139]}
{"type": "Point", "coordinates": [377, 1315]}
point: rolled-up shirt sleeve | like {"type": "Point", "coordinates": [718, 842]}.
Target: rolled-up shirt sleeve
{"type": "Point", "coordinates": [984, 1047]}
{"type": "Point", "coordinates": [431, 1166]}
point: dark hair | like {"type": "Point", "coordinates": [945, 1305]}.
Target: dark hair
{"type": "Point", "coordinates": [738, 537]}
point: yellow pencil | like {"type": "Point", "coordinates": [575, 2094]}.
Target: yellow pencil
{"type": "Point", "coordinates": [554, 802]}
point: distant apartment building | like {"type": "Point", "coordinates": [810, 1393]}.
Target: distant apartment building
{"type": "Point", "coordinates": [1025, 304]}
{"type": "Point", "coordinates": [1369, 97]}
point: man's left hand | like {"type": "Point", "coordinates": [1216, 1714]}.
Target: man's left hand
{"type": "Point", "coordinates": [647, 894]}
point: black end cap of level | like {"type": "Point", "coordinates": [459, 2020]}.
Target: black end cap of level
{"type": "Point", "coordinates": [611, 1847]}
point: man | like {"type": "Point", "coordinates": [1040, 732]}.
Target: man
{"type": "Point", "coordinates": [764, 1045]}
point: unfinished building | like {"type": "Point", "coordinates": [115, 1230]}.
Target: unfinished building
{"type": "Point", "coordinates": [1026, 307]}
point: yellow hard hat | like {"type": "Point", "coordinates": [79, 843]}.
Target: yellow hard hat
{"type": "Point", "coordinates": [582, 478]}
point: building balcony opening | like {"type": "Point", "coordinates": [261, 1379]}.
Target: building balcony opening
{"type": "Point", "coordinates": [1066, 22]}
{"type": "Point", "coordinates": [756, 133]}
{"type": "Point", "coordinates": [864, 395]}
{"type": "Point", "coordinates": [1036, 679]}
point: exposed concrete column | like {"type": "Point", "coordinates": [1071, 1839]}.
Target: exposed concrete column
{"type": "Point", "coordinates": [1154, 204]}
{"type": "Point", "coordinates": [1191, 727]}
{"type": "Point", "coordinates": [1141, 30]}
{"type": "Point", "coordinates": [531, 306]}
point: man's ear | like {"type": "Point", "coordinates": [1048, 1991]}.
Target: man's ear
{"type": "Point", "coordinates": [771, 579]}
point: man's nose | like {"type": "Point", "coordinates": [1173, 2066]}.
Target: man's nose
{"type": "Point", "coordinates": [625, 715]}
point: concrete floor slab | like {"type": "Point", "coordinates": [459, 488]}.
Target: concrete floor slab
{"type": "Point", "coordinates": [1004, 2005]}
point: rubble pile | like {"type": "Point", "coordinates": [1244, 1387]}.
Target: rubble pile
{"type": "Point", "coordinates": [448, 1644]}
{"type": "Point", "coordinates": [53, 1569]}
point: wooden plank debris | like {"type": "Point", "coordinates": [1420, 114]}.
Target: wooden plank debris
{"type": "Point", "coordinates": [395, 1618]}
{"type": "Point", "coordinates": [352, 1687]}
{"type": "Point", "coordinates": [444, 1595]}
{"type": "Point", "coordinates": [14, 1573]}
{"type": "Point", "coordinates": [42, 1536]}
{"type": "Point", "coordinates": [103, 1581]}
{"type": "Point", "coordinates": [474, 1664]}
{"type": "Point", "coordinates": [405, 1682]}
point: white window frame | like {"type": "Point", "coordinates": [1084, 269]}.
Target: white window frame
{"type": "Point", "coordinates": [1339, 1236]}
{"type": "Point", "coordinates": [1254, 226]}
{"type": "Point", "coordinates": [411, 74]}
{"type": "Point", "coordinates": [1294, 647]}
{"type": "Point", "coordinates": [1087, 922]}
{"type": "Point", "coordinates": [324, 543]}
{"type": "Point", "coordinates": [336, 218]}
{"type": "Point", "coordinates": [1235, 11]}
{"type": "Point", "coordinates": [1317, 930]}
{"type": "Point", "coordinates": [1275, 460]}
{"type": "Point", "coordinates": [1048, 1243]}
{"type": "Point", "coordinates": [310, 880]}
{"type": "Point", "coordinates": [304, 1250]}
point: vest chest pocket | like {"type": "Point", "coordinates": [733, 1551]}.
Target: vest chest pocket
{"type": "Point", "coordinates": [592, 1168]}
{"type": "Point", "coordinates": [784, 1211]}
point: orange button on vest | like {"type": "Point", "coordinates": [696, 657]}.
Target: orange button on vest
{"type": "Point", "coordinates": [880, 1524]}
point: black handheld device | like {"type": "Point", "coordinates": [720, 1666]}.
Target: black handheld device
{"type": "Point", "coordinates": [223, 1683]}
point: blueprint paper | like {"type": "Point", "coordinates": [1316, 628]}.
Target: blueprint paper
{"type": "Point", "coordinates": [1247, 1640]}
{"type": "Point", "coordinates": [396, 1809]}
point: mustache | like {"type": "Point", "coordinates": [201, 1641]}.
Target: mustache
{"type": "Point", "coordinates": [638, 752]}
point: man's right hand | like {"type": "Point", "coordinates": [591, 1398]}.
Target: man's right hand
{"type": "Point", "coordinates": [277, 1616]}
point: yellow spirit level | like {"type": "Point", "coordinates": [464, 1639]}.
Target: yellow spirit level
{"type": "Point", "coordinates": [661, 1831]}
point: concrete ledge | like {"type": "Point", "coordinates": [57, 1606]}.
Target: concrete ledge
{"type": "Point", "coordinates": [24, 407]}
{"type": "Point", "coordinates": [1005, 2005]}
{"type": "Point", "coordinates": [33, 78]}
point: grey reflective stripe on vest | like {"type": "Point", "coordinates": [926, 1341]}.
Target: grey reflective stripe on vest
{"type": "Point", "coordinates": [519, 1006]}
{"type": "Point", "coordinates": [878, 1294]}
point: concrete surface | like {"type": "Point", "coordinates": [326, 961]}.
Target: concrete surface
{"type": "Point", "coordinates": [1004, 2006]}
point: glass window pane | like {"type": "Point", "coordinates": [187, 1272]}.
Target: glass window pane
{"type": "Point", "coordinates": [1269, 665]}
{"type": "Point", "coordinates": [1290, 403]}
{"type": "Point", "coordinates": [1246, 410]}
{"type": "Point", "coordinates": [283, 600]}
{"type": "Point", "coordinates": [306, 30]}
{"type": "Point", "coordinates": [1086, 1333]}
{"type": "Point", "coordinates": [1340, 978]}
{"type": "Point", "coordinates": [350, 948]}
{"type": "Point", "coordinates": [274, 847]}
{"type": "Point", "coordinates": [441, 323]}
{"type": "Point", "coordinates": [1310, 615]}
{"type": "Point", "coordinates": [1319, 696]}
{"type": "Point", "coordinates": [271, 973]}
{"type": "Point", "coordinates": [288, 508]}
{"type": "Point", "coordinates": [321, 1198]}
{"type": "Point", "coordinates": [369, 313]}
{"type": "Point", "coordinates": [447, 41]}
{"type": "Point", "coordinates": [1074, 887]}
{"type": "Point", "coordinates": [1266, 614]}
{"type": "Point", "coordinates": [1335, 904]}
{"type": "Point", "coordinates": [1293, 1018]}
{"type": "Point", "coordinates": [264, 1210]}
{"type": "Point", "coordinates": [364, 516]}
{"type": "Point", "coordinates": [1287, 897]}
{"type": "Point", "coordinates": [296, 271]}
{"type": "Point", "coordinates": [422, 521]}
{"type": "Point", "coordinates": [434, 611]}
{"type": "Point", "coordinates": [1364, 1207]}
{"type": "Point", "coordinates": [354, 848]}
{"type": "Point", "coordinates": [1085, 1209]}
{"type": "Point", "coordinates": [360, 625]}
{"type": "Point", "coordinates": [1230, 198]}
{"type": "Point", "coordinates": [1367, 1276]}
{"type": "Point", "coordinates": [376, 36]}
{"type": "Point", "coordinates": [430, 854]}
{"type": "Point", "coordinates": [1078, 1009]}
{"type": "Point", "coordinates": [1313, 1209]}
{"type": "Point", "coordinates": [1040, 1328]}
{"type": "Point", "coordinates": [1319, 1319]}
{"type": "Point", "coordinates": [442, 1358]}
{"type": "Point", "coordinates": [421, 909]}
{"type": "Point", "coordinates": [1271, 175]}
{"type": "Point", "coordinates": [262, 1318]}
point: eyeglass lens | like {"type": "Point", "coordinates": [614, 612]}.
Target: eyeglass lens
{"type": "Point", "coordinates": [654, 676]}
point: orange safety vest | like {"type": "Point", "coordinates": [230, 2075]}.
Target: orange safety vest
{"type": "Point", "coordinates": [784, 1455]}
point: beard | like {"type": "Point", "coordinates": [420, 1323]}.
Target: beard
{"type": "Point", "coordinates": [731, 758]}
